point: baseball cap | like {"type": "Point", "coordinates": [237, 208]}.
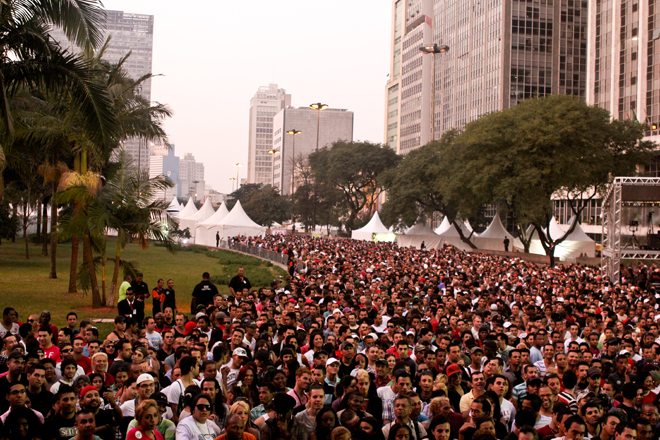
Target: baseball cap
{"type": "Point", "coordinates": [87, 389]}
{"type": "Point", "coordinates": [345, 344]}
{"type": "Point", "coordinates": [381, 362]}
{"type": "Point", "coordinates": [160, 398]}
{"type": "Point", "coordinates": [476, 349]}
{"type": "Point", "coordinates": [453, 369]}
{"type": "Point", "coordinates": [16, 354]}
{"type": "Point", "coordinates": [145, 377]}
{"type": "Point", "coordinates": [331, 361]}
{"type": "Point", "coordinates": [240, 352]}
{"type": "Point", "coordinates": [190, 326]}
{"type": "Point", "coordinates": [591, 372]}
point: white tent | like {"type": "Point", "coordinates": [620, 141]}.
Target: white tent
{"type": "Point", "coordinates": [375, 226]}
{"type": "Point", "coordinates": [493, 237]}
{"type": "Point", "coordinates": [413, 237]}
{"type": "Point", "coordinates": [444, 226]}
{"type": "Point", "coordinates": [235, 223]}
{"type": "Point", "coordinates": [191, 222]}
{"type": "Point", "coordinates": [174, 208]}
{"type": "Point", "coordinates": [202, 235]}
{"type": "Point", "coordinates": [576, 244]}
{"type": "Point", "coordinates": [450, 235]}
{"type": "Point", "coordinates": [189, 210]}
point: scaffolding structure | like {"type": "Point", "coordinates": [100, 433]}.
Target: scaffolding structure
{"type": "Point", "coordinates": [637, 194]}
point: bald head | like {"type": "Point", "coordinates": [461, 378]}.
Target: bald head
{"type": "Point", "coordinates": [235, 427]}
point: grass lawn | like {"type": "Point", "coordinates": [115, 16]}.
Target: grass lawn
{"type": "Point", "coordinates": [24, 284]}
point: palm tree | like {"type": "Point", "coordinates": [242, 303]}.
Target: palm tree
{"type": "Point", "coordinates": [31, 61]}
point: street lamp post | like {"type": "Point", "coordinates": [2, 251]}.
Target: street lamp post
{"type": "Point", "coordinates": [238, 168]}
{"type": "Point", "coordinates": [293, 134]}
{"type": "Point", "coordinates": [433, 49]}
{"type": "Point", "coordinates": [273, 153]}
{"type": "Point", "coordinates": [233, 179]}
{"type": "Point", "coordinates": [318, 107]}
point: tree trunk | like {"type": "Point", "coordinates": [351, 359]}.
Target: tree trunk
{"type": "Point", "coordinates": [103, 261]}
{"type": "Point", "coordinates": [115, 274]}
{"type": "Point", "coordinates": [14, 215]}
{"type": "Point", "coordinates": [88, 258]}
{"type": "Point", "coordinates": [53, 236]}
{"type": "Point", "coordinates": [26, 219]}
{"type": "Point", "coordinates": [44, 228]}
{"type": "Point", "coordinates": [75, 243]}
{"type": "Point", "coordinates": [38, 220]}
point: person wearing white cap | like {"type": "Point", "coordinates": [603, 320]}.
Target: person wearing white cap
{"type": "Point", "coordinates": [331, 379]}
{"type": "Point", "coordinates": [238, 357]}
{"type": "Point", "coordinates": [146, 386]}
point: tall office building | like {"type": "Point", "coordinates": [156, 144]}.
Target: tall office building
{"type": "Point", "coordinates": [191, 175]}
{"type": "Point", "coordinates": [163, 162]}
{"type": "Point", "coordinates": [332, 124]}
{"type": "Point", "coordinates": [132, 33]}
{"type": "Point", "coordinates": [624, 62]}
{"type": "Point", "coordinates": [500, 52]}
{"type": "Point", "coordinates": [264, 105]}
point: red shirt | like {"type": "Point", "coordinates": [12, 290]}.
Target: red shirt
{"type": "Point", "coordinates": [85, 364]}
{"type": "Point", "coordinates": [142, 436]}
{"type": "Point", "coordinates": [52, 353]}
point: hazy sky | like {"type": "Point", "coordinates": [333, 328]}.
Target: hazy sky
{"type": "Point", "coordinates": [215, 54]}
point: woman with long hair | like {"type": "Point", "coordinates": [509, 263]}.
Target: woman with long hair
{"type": "Point", "coordinates": [398, 431]}
{"type": "Point", "coordinates": [241, 408]}
{"type": "Point", "coordinates": [326, 421]}
{"type": "Point", "coordinates": [247, 382]}
{"type": "Point", "coordinates": [289, 368]}
{"type": "Point", "coordinates": [199, 425]}
{"type": "Point", "coordinates": [148, 418]}
{"type": "Point", "coordinates": [189, 395]}
{"type": "Point", "coordinates": [372, 428]}
{"type": "Point", "coordinates": [211, 387]}
{"type": "Point", "coordinates": [346, 385]}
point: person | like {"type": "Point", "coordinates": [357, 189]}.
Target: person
{"type": "Point", "coordinates": [306, 419]}
{"type": "Point", "coordinates": [147, 417]}
{"type": "Point", "coordinates": [506, 244]}
{"type": "Point", "coordinates": [400, 431]}
{"type": "Point", "coordinates": [189, 371]}
{"type": "Point", "coordinates": [198, 425]}
{"type": "Point", "coordinates": [106, 420]}
{"type": "Point", "coordinates": [303, 379]}
{"type": "Point", "coordinates": [217, 239]}
{"type": "Point", "coordinates": [40, 398]}
{"type": "Point", "coordinates": [165, 427]}
{"type": "Point", "coordinates": [402, 410]}
{"type": "Point", "coordinates": [129, 307]}
{"type": "Point", "coordinates": [283, 424]}
{"type": "Point", "coordinates": [22, 424]}
{"type": "Point", "coordinates": [326, 421]}
{"type": "Point", "coordinates": [204, 292]}
{"type": "Point", "coordinates": [235, 430]}
{"type": "Point", "coordinates": [85, 425]}
{"type": "Point", "coordinates": [439, 428]}
{"type": "Point", "coordinates": [125, 285]}
{"type": "Point", "coordinates": [61, 425]}
{"type": "Point", "coordinates": [156, 293]}
{"type": "Point", "coordinates": [238, 283]}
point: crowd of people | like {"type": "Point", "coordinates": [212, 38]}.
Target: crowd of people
{"type": "Point", "coordinates": [362, 340]}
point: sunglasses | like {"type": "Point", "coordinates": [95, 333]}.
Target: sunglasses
{"type": "Point", "coordinates": [203, 407]}
{"type": "Point", "coordinates": [66, 350]}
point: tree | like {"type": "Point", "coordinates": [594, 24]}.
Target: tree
{"type": "Point", "coordinates": [353, 168]}
{"type": "Point", "coordinates": [553, 145]}
{"type": "Point", "coordinates": [416, 188]}
{"type": "Point", "coordinates": [267, 206]}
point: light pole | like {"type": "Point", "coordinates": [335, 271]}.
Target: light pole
{"type": "Point", "coordinates": [318, 107]}
{"type": "Point", "coordinates": [293, 134]}
{"type": "Point", "coordinates": [433, 49]}
{"type": "Point", "coordinates": [233, 179]}
{"type": "Point", "coordinates": [238, 168]}
{"type": "Point", "coordinates": [272, 174]}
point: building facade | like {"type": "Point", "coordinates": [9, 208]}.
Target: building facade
{"type": "Point", "coordinates": [163, 162]}
{"type": "Point", "coordinates": [500, 53]}
{"type": "Point", "coordinates": [132, 33]}
{"type": "Point", "coordinates": [191, 175]}
{"type": "Point", "coordinates": [332, 125]}
{"type": "Point", "coordinates": [264, 105]}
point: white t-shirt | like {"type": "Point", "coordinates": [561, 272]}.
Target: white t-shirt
{"type": "Point", "coordinates": [508, 411]}
{"type": "Point", "coordinates": [177, 389]}
{"type": "Point", "coordinates": [189, 429]}
{"type": "Point", "coordinates": [155, 339]}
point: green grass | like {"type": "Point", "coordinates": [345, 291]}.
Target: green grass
{"type": "Point", "coordinates": [24, 284]}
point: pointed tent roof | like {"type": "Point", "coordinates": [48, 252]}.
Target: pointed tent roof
{"type": "Point", "coordinates": [215, 218]}
{"type": "Point", "coordinates": [496, 230]}
{"type": "Point", "coordinates": [189, 210]}
{"type": "Point", "coordinates": [555, 231]}
{"type": "Point", "coordinates": [468, 226]}
{"type": "Point", "coordinates": [444, 226]}
{"type": "Point", "coordinates": [238, 217]}
{"type": "Point", "coordinates": [451, 231]}
{"type": "Point", "coordinates": [419, 229]}
{"type": "Point", "coordinates": [206, 212]}
{"type": "Point", "coordinates": [578, 233]}
{"type": "Point", "coordinates": [174, 205]}
{"type": "Point", "coordinates": [375, 226]}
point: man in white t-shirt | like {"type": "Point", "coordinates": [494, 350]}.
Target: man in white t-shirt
{"type": "Point", "coordinates": [154, 338]}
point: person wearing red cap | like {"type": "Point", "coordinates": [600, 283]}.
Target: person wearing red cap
{"type": "Point", "coordinates": [106, 419]}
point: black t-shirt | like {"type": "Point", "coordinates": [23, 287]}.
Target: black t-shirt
{"type": "Point", "coordinates": [238, 285]}
{"type": "Point", "coordinates": [140, 289]}
{"type": "Point", "coordinates": [204, 292]}
{"type": "Point", "coordinates": [41, 402]}
{"type": "Point", "coordinates": [170, 299]}
{"type": "Point", "coordinates": [104, 417]}
{"type": "Point", "coordinates": [345, 370]}
{"type": "Point", "coordinates": [59, 428]}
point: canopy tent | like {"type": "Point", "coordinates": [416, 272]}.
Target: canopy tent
{"type": "Point", "coordinates": [576, 244]}
{"type": "Point", "coordinates": [493, 237]}
{"type": "Point", "coordinates": [375, 226]}
{"type": "Point", "coordinates": [192, 221]}
{"type": "Point", "coordinates": [450, 235]}
{"type": "Point", "coordinates": [174, 208]}
{"type": "Point", "coordinates": [202, 228]}
{"type": "Point", "coordinates": [235, 223]}
{"type": "Point", "coordinates": [444, 226]}
{"type": "Point", "coordinates": [414, 236]}
{"type": "Point", "coordinates": [189, 210]}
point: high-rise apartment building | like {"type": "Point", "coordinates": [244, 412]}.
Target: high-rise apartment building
{"type": "Point", "coordinates": [191, 175]}
{"type": "Point", "coordinates": [163, 162]}
{"type": "Point", "coordinates": [624, 62]}
{"type": "Point", "coordinates": [332, 125]}
{"type": "Point", "coordinates": [499, 53]}
{"type": "Point", "coordinates": [132, 33]}
{"type": "Point", "coordinates": [264, 105]}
